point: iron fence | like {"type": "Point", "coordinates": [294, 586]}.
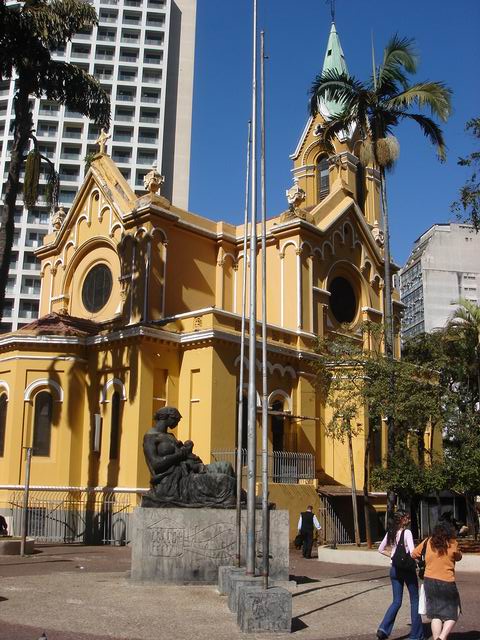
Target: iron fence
{"type": "Point", "coordinates": [283, 466]}
{"type": "Point", "coordinates": [69, 515]}
{"type": "Point", "coordinates": [333, 531]}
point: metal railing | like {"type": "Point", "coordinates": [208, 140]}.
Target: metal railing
{"type": "Point", "coordinates": [75, 514]}
{"type": "Point", "coordinates": [286, 467]}
{"type": "Point", "coordinates": [333, 531]}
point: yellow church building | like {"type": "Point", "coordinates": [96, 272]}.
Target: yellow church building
{"type": "Point", "coordinates": [141, 308]}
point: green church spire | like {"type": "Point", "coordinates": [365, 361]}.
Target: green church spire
{"type": "Point", "coordinates": [334, 61]}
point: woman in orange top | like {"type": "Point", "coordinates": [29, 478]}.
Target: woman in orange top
{"type": "Point", "coordinates": [443, 600]}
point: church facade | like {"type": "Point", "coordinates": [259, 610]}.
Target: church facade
{"type": "Point", "coordinates": [141, 308]}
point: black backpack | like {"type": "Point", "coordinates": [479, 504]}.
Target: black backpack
{"type": "Point", "coordinates": [401, 559]}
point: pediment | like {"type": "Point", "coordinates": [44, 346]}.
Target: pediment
{"type": "Point", "coordinates": [103, 201]}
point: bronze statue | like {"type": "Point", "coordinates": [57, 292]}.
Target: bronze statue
{"type": "Point", "coordinates": [179, 477]}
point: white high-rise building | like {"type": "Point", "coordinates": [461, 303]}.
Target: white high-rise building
{"type": "Point", "coordinates": [443, 267]}
{"type": "Point", "coordinates": [142, 52]}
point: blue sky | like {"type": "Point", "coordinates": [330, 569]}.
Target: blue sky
{"type": "Point", "coordinates": [420, 189]}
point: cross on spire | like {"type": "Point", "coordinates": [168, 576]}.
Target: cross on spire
{"type": "Point", "coordinates": [332, 8]}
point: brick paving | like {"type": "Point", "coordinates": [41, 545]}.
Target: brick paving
{"type": "Point", "coordinates": [83, 593]}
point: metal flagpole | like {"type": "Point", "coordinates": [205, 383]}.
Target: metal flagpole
{"type": "Point", "coordinates": [242, 359]}
{"type": "Point", "coordinates": [252, 395]}
{"type": "Point", "coordinates": [265, 512]}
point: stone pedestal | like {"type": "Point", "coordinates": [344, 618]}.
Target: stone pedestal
{"type": "Point", "coordinates": [264, 609]}
{"type": "Point", "coordinates": [182, 546]}
{"type": "Point", "coordinates": [237, 582]}
{"type": "Point", "coordinates": [225, 577]}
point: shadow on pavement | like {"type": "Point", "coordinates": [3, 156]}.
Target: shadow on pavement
{"type": "Point", "coordinates": [37, 562]}
{"type": "Point", "coordinates": [331, 604]}
{"type": "Point", "coordinates": [339, 584]}
{"type": "Point", "coordinates": [302, 579]}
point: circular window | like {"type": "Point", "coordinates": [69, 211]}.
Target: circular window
{"type": "Point", "coordinates": [97, 288]}
{"type": "Point", "coordinates": [343, 301]}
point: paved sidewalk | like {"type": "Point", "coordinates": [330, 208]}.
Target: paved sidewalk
{"type": "Point", "coordinates": [83, 593]}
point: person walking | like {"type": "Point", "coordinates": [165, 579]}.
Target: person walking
{"type": "Point", "coordinates": [398, 545]}
{"type": "Point", "coordinates": [307, 521]}
{"type": "Point", "coordinates": [443, 599]}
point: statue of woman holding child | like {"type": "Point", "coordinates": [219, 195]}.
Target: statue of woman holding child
{"type": "Point", "coordinates": [179, 477]}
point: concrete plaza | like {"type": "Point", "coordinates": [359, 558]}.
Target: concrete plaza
{"type": "Point", "coordinates": [83, 593]}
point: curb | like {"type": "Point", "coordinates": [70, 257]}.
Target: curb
{"type": "Point", "coordinates": [470, 563]}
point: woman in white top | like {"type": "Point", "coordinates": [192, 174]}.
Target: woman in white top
{"type": "Point", "coordinates": [402, 571]}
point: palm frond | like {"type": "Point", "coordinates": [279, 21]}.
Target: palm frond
{"type": "Point", "coordinates": [400, 52]}
{"type": "Point", "coordinates": [466, 315]}
{"type": "Point", "coordinates": [335, 126]}
{"type": "Point", "coordinates": [430, 129]}
{"type": "Point", "coordinates": [78, 90]}
{"type": "Point", "coordinates": [399, 59]}
{"type": "Point", "coordinates": [55, 23]}
{"type": "Point", "coordinates": [339, 87]}
{"type": "Point", "coordinates": [434, 95]}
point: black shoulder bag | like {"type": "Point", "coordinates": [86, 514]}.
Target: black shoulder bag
{"type": "Point", "coordinates": [421, 564]}
{"type": "Point", "coordinates": [401, 559]}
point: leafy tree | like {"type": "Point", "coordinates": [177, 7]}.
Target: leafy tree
{"type": "Point", "coordinates": [340, 377]}
{"type": "Point", "coordinates": [469, 201]}
{"type": "Point", "coordinates": [452, 352]}
{"type": "Point", "coordinates": [466, 320]}
{"type": "Point", "coordinates": [359, 382]}
{"type": "Point", "coordinates": [375, 108]}
{"type": "Point", "coordinates": [29, 33]}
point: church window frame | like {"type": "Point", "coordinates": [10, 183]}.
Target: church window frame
{"type": "Point", "coordinates": [3, 422]}
{"type": "Point", "coordinates": [322, 177]}
{"type": "Point", "coordinates": [115, 418]}
{"type": "Point", "coordinates": [42, 424]}
{"type": "Point", "coordinates": [360, 185]}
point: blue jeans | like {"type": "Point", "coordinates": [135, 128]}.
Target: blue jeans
{"type": "Point", "coordinates": [398, 579]}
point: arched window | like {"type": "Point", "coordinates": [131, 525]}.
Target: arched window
{"type": "Point", "coordinates": [115, 426]}
{"type": "Point", "coordinates": [244, 423]}
{"type": "Point", "coordinates": [323, 178]}
{"type": "Point", "coordinates": [42, 425]}
{"type": "Point", "coordinates": [360, 180]}
{"type": "Point", "coordinates": [278, 427]}
{"type": "Point", "coordinates": [3, 421]}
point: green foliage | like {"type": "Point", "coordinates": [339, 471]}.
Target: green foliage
{"type": "Point", "coordinates": [468, 205]}
{"type": "Point", "coordinates": [352, 378]}
{"type": "Point", "coordinates": [32, 174]}
{"type": "Point", "coordinates": [52, 189]}
{"type": "Point", "coordinates": [29, 32]}
{"type": "Point", "coordinates": [378, 106]}
{"type": "Point", "coordinates": [357, 382]}
{"type": "Point", "coordinates": [88, 160]}
{"type": "Point", "coordinates": [407, 478]}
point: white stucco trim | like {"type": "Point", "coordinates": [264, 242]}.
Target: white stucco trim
{"type": "Point", "coordinates": [5, 387]}
{"type": "Point", "coordinates": [282, 394]}
{"type": "Point", "coordinates": [112, 382]}
{"type": "Point", "coordinates": [43, 382]}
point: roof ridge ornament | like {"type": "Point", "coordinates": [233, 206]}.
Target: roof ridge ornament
{"type": "Point", "coordinates": [102, 141]}
{"type": "Point", "coordinates": [58, 218]}
{"type": "Point", "coordinates": [153, 180]}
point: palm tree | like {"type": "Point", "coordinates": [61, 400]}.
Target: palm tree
{"type": "Point", "coordinates": [374, 109]}
{"type": "Point", "coordinates": [466, 318]}
{"type": "Point", "coordinates": [29, 32]}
